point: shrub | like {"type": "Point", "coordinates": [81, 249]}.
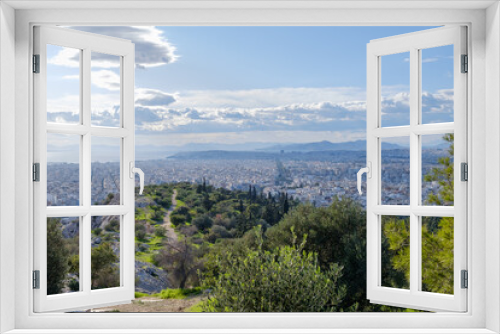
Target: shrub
{"type": "Point", "coordinates": [160, 231]}
{"type": "Point", "coordinates": [286, 279]}
{"type": "Point", "coordinates": [178, 219]}
{"type": "Point", "coordinates": [203, 223]}
{"type": "Point", "coordinates": [74, 285]}
{"type": "Point", "coordinates": [113, 226]}
{"type": "Point", "coordinates": [140, 231]}
{"type": "Point", "coordinates": [105, 274]}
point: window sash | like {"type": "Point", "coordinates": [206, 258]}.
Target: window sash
{"type": "Point", "coordinates": [414, 298]}
{"type": "Point", "coordinates": [86, 297]}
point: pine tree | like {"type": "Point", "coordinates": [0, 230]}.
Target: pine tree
{"type": "Point", "coordinates": [286, 206]}
{"type": "Point", "coordinates": [57, 257]}
{"type": "Point", "coordinates": [437, 237]}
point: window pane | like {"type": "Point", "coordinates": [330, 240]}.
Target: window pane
{"type": "Point", "coordinates": [105, 90]}
{"type": "Point", "coordinates": [105, 260]}
{"type": "Point", "coordinates": [63, 255]}
{"type": "Point", "coordinates": [437, 169]}
{"type": "Point", "coordinates": [63, 84]}
{"type": "Point", "coordinates": [437, 254]}
{"type": "Point", "coordinates": [63, 170]}
{"type": "Point", "coordinates": [395, 90]}
{"type": "Point", "coordinates": [396, 252]}
{"type": "Point", "coordinates": [106, 170]}
{"type": "Point", "coordinates": [395, 157]}
{"type": "Point", "coordinates": [437, 84]}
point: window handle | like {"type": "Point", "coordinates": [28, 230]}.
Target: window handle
{"type": "Point", "coordinates": [135, 170]}
{"type": "Point", "coordinates": [368, 171]}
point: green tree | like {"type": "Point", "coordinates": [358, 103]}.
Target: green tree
{"type": "Point", "coordinates": [105, 273]}
{"type": "Point", "coordinates": [203, 223]}
{"type": "Point", "coordinates": [444, 175]}
{"type": "Point", "coordinates": [286, 279]}
{"type": "Point", "coordinates": [437, 234]}
{"type": "Point", "coordinates": [57, 257]}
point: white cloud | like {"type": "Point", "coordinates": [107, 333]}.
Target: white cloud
{"type": "Point", "coordinates": [151, 48]}
{"type": "Point", "coordinates": [157, 113]}
{"type": "Point", "coordinates": [153, 98]}
{"type": "Point", "coordinates": [106, 79]}
{"type": "Point", "coordinates": [263, 98]}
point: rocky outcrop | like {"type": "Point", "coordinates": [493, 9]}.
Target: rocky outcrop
{"type": "Point", "coordinates": [149, 278]}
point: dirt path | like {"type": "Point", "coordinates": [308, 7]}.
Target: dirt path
{"type": "Point", "coordinates": [152, 304]}
{"type": "Point", "coordinates": [166, 220]}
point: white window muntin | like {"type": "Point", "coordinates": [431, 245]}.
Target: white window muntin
{"type": "Point", "coordinates": [86, 43]}
{"type": "Point", "coordinates": [414, 43]}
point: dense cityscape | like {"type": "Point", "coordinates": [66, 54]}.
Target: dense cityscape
{"type": "Point", "coordinates": [315, 177]}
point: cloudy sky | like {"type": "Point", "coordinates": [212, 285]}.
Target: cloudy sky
{"type": "Point", "coordinates": [220, 85]}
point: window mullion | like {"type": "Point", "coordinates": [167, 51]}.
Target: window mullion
{"type": "Point", "coordinates": [414, 175]}
{"type": "Point", "coordinates": [86, 182]}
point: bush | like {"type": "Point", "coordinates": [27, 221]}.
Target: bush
{"type": "Point", "coordinates": [203, 223]}
{"type": "Point", "coordinates": [178, 219]}
{"type": "Point", "coordinates": [113, 226]}
{"type": "Point", "coordinates": [104, 272]}
{"type": "Point", "coordinates": [74, 285]}
{"type": "Point", "coordinates": [97, 231]}
{"type": "Point", "coordinates": [140, 231]}
{"type": "Point", "coordinates": [160, 231]}
{"type": "Point", "coordinates": [286, 279]}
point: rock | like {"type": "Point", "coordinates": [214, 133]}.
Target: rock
{"type": "Point", "coordinates": [71, 229]}
{"type": "Point", "coordinates": [149, 278]}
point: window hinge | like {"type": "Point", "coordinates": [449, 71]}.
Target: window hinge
{"type": "Point", "coordinates": [36, 279]}
{"type": "Point", "coordinates": [36, 172]}
{"type": "Point", "coordinates": [36, 63]}
{"type": "Point", "coordinates": [465, 279]}
{"type": "Point", "coordinates": [464, 170]}
{"type": "Point", "coordinates": [465, 64]}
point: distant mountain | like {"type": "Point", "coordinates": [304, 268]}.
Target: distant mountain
{"type": "Point", "coordinates": [358, 145]}
{"type": "Point", "coordinates": [329, 155]}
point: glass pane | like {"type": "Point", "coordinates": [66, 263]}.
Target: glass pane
{"type": "Point", "coordinates": [105, 90]}
{"type": "Point", "coordinates": [395, 90]}
{"type": "Point", "coordinates": [63, 84]}
{"type": "Point", "coordinates": [106, 170]}
{"type": "Point", "coordinates": [437, 254]}
{"type": "Point", "coordinates": [437, 84]}
{"type": "Point", "coordinates": [396, 252]}
{"type": "Point", "coordinates": [395, 159]}
{"type": "Point", "coordinates": [437, 169]}
{"type": "Point", "coordinates": [63, 170]}
{"type": "Point", "coordinates": [105, 259]}
{"type": "Point", "coordinates": [63, 255]}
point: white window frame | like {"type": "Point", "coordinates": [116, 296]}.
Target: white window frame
{"type": "Point", "coordinates": [484, 212]}
{"type": "Point", "coordinates": [125, 133]}
{"type": "Point", "coordinates": [413, 43]}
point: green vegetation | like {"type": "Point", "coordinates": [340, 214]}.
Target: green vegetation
{"type": "Point", "coordinates": [57, 257]}
{"type": "Point", "coordinates": [286, 279]}
{"type": "Point", "coordinates": [241, 247]}
{"type": "Point", "coordinates": [437, 233]}
{"type": "Point", "coordinates": [179, 293]}
{"type": "Point", "coordinates": [105, 273]}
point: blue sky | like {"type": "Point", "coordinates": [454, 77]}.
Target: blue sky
{"type": "Point", "coordinates": [250, 85]}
